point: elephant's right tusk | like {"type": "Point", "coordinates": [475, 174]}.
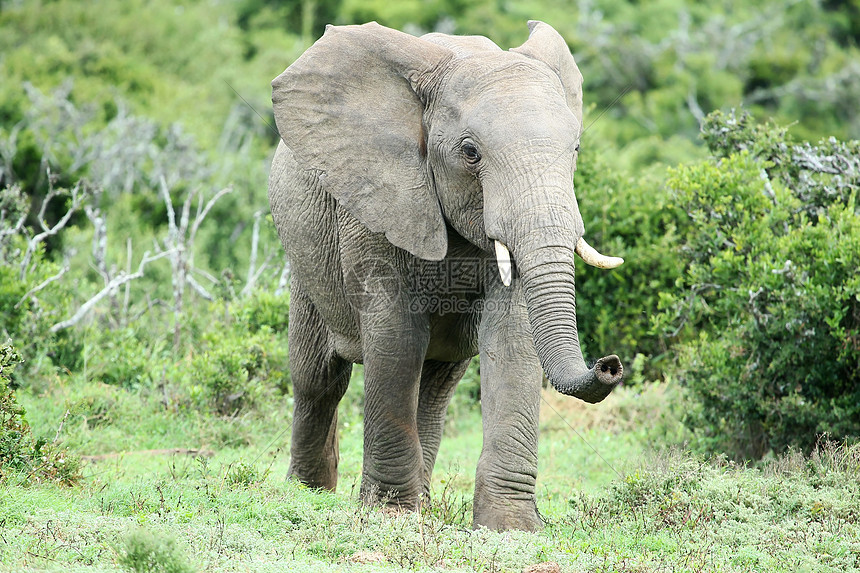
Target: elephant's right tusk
{"type": "Point", "coordinates": [503, 258]}
{"type": "Point", "coordinates": [593, 258]}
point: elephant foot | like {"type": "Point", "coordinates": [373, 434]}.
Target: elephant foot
{"type": "Point", "coordinates": [522, 516]}
{"type": "Point", "coordinates": [501, 514]}
{"type": "Point", "coordinates": [317, 474]}
{"type": "Point", "coordinates": [325, 484]}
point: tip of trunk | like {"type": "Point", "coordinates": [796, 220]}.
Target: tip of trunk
{"type": "Point", "coordinates": [595, 384]}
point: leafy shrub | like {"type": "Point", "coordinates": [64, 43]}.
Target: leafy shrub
{"type": "Point", "coordinates": [97, 405]}
{"type": "Point", "coordinates": [14, 427]}
{"type": "Point", "coordinates": [243, 474]}
{"type": "Point", "coordinates": [12, 315]}
{"type": "Point", "coordinates": [264, 309]}
{"type": "Point", "coordinates": [145, 552]}
{"type": "Point", "coordinates": [20, 454]}
{"type": "Point", "coordinates": [770, 284]}
{"type": "Point", "coordinates": [229, 374]}
{"type": "Point", "coordinates": [247, 360]}
{"type": "Point", "coordinates": [635, 219]}
{"type": "Point", "coordinates": [124, 357]}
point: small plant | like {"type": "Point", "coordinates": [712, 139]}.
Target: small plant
{"type": "Point", "coordinates": [667, 476]}
{"type": "Point", "coordinates": [13, 440]}
{"type": "Point", "coordinates": [450, 506]}
{"type": "Point", "coordinates": [230, 373]}
{"type": "Point", "coordinates": [264, 309]}
{"type": "Point", "coordinates": [145, 552]}
{"type": "Point", "coordinates": [243, 474]}
{"type": "Point", "coordinates": [125, 358]}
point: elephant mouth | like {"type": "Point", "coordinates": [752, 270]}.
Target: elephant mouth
{"type": "Point", "coordinates": [586, 252]}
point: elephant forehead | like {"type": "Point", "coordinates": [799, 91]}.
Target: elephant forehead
{"type": "Point", "coordinates": [506, 89]}
{"type": "Point", "coordinates": [500, 72]}
{"type": "Point", "coordinates": [463, 46]}
{"type": "Point", "coordinates": [504, 118]}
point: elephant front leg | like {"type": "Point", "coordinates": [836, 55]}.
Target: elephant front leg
{"type": "Point", "coordinates": [510, 406]}
{"type": "Point", "coordinates": [394, 347]}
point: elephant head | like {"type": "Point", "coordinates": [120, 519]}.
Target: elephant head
{"type": "Point", "coordinates": [412, 135]}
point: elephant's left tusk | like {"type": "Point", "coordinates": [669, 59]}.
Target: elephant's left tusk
{"type": "Point", "coordinates": [503, 258]}
{"type": "Point", "coordinates": [590, 255]}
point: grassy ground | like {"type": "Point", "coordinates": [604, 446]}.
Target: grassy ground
{"type": "Point", "coordinates": [612, 500]}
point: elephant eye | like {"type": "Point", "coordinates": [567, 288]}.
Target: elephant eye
{"type": "Point", "coordinates": [470, 152]}
{"type": "Point", "coordinates": [576, 149]}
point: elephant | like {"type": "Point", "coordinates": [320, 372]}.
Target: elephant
{"type": "Point", "coordinates": [423, 192]}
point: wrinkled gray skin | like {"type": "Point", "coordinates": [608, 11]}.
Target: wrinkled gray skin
{"type": "Point", "coordinates": [376, 188]}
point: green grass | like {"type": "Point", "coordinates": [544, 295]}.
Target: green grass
{"type": "Point", "coordinates": [233, 510]}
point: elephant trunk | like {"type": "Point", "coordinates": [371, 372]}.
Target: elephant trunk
{"type": "Point", "coordinates": [543, 238]}
{"type": "Point", "coordinates": [545, 261]}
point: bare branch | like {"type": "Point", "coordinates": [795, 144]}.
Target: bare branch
{"type": "Point", "coordinates": [127, 294]}
{"type": "Point", "coordinates": [202, 215]}
{"type": "Point", "coordinates": [116, 282]}
{"type": "Point", "coordinates": [99, 248]}
{"type": "Point", "coordinates": [199, 288]}
{"type": "Point", "coordinates": [694, 107]}
{"type": "Point", "coordinates": [11, 230]}
{"type": "Point", "coordinates": [205, 275]}
{"type": "Point", "coordinates": [186, 212]}
{"type": "Point", "coordinates": [180, 241]}
{"type": "Point", "coordinates": [171, 214]}
{"type": "Point", "coordinates": [253, 280]}
{"type": "Point", "coordinates": [60, 428]}
{"type": "Point", "coordinates": [51, 194]}
{"type": "Point", "coordinates": [77, 199]}
{"type": "Point", "coordinates": [284, 279]}
{"type": "Point", "coordinates": [43, 284]}
{"type": "Point", "coordinates": [252, 262]}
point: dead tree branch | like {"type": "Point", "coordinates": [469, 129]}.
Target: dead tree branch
{"type": "Point", "coordinates": [78, 197]}
{"type": "Point", "coordinates": [114, 283]}
{"type": "Point", "coordinates": [44, 284]}
{"type": "Point", "coordinates": [180, 239]}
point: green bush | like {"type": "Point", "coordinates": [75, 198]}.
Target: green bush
{"type": "Point", "coordinates": [264, 309]}
{"type": "Point", "coordinates": [13, 447]}
{"type": "Point", "coordinates": [632, 218]}
{"type": "Point", "coordinates": [126, 357]}
{"type": "Point", "coordinates": [244, 361]}
{"type": "Point", "coordinates": [21, 455]}
{"type": "Point", "coordinates": [142, 551]}
{"type": "Point", "coordinates": [229, 373]}
{"type": "Point", "coordinates": [771, 289]}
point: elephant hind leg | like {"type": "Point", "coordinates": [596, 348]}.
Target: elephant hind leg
{"type": "Point", "coordinates": [320, 379]}
{"type": "Point", "coordinates": [438, 382]}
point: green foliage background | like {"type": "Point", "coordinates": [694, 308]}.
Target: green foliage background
{"type": "Point", "coordinates": [770, 293]}
{"type": "Point", "coordinates": [133, 102]}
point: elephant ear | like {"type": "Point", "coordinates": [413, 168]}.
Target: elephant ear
{"type": "Point", "coordinates": [349, 111]}
{"type": "Point", "coordinates": [547, 45]}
